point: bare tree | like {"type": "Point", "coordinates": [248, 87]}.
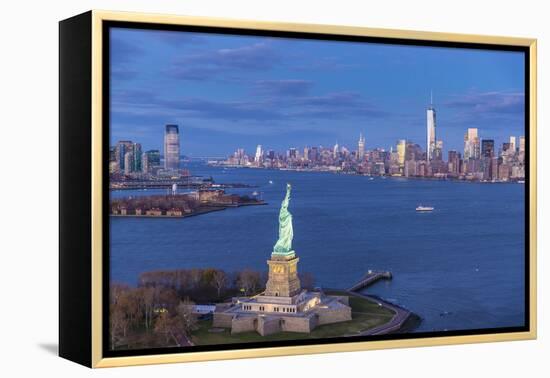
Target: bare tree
{"type": "Point", "coordinates": [187, 319]}
{"type": "Point", "coordinates": [118, 318]}
{"type": "Point", "coordinates": [249, 281]}
{"type": "Point", "coordinates": [147, 302]}
{"type": "Point", "coordinates": [167, 299]}
{"type": "Point", "coordinates": [129, 303]}
{"type": "Point", "coordinates": [116, 290]}
{"type": "Point", "coordinates": [195, 276]}
{"type": "Point", "coordinates": [219, 280]}
{"type": "Point", "coordinates": [166, 325]}
{"type": "Point", "coordinates": [118, 325]}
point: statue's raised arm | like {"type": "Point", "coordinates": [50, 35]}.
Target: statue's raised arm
{"type": "Point", "coordinates": [284, 243]}
{"type": "Point", "coordinates": [286, 200]}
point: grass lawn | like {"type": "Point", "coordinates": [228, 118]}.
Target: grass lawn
{"type": "Point", "coordinates": [365, 315]}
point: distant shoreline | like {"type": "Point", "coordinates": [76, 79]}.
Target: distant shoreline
{"type": "Point", "coordinates": [451, 179]}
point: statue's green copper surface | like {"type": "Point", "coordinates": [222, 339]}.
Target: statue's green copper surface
{"type": "Point", "coordinates": [284, 244]}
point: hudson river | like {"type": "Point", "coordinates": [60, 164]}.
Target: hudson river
{"type": "Point", "coordinates": [458, 267]}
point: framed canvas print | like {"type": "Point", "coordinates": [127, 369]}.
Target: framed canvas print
{"type": "Point", "coordinates": [235, 189]}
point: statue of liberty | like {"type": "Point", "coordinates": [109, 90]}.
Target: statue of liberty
{"type": "Point", "coordinates": [284, 244]}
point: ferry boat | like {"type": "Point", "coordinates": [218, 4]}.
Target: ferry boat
{"type": "Point", "coordinates": [424, 208]}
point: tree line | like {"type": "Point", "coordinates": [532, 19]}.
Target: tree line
{"type": "Point", "coordinates": [158, 312]}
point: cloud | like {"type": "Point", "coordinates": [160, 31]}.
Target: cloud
{"type": "Point", "coordinates": [120, 72]}
{"type": "Point", "coordinates": [133, 97]}
{"type": "Point", "coordinates": [122, 51]}
{"type": "Point", "coordinates": [145, 104]}
{"type": "Point", "coordinates": [122, 55]}
{"type": "Point", "coordinates": [216, 63]}
{"type": "Point", "coordinates": [227, 110]}
{"type": "Point", "coordinates": [496, 114]}
{"type": "Point", "coordinates": [276, 88]}
{"type": "Point", "coordinates": [490, 103]}
{"type": "Point", "coordinates": [178, 39]}
{"type": "Point", "coordinates": [322, 64]}
{"type": "Point", "coordinates": [269, 110]}
{"type": "Point", "coordinates": [342, 105]}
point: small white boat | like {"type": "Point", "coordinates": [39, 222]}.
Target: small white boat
{"type": "Point", "coordinates": [271, 181]}
{"type": "Point", "coordinates": [424, 208]}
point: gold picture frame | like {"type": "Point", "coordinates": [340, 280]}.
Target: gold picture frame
{"type": "Point", "coordinates": [90, 329]}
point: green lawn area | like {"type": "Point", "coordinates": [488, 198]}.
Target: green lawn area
{"type": "Point", "coordinates": [365, 315]}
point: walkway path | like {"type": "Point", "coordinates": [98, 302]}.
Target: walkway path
{"type": "Point", "coordinates": [398, 320]}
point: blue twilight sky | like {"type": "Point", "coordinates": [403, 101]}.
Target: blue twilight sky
{"type": "Point", "coordinates": [226, 92]}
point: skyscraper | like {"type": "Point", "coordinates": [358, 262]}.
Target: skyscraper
{"type": "Point", "coordinates": [306, 153]}
{"type": "Point", "coordinates": [171, 147]}
{"type": "Point", "coordinates": [413, 151]}
{"type": "Point", "coordinates": [121, 148]}
{"type": "Point", "coordinates": [292, 153]}
{"type": "Point", "coordinates": [438, 150]}
{"type": "Point", "coordinates": [472, 146]}
{"type": "Point", "coordinates": [259, 154]}
{"type": "Point", "coordinates": [145, 168]}
{"type": "Point", "coordinates": [401, 148]}
{"type": "Point", "coordinates": [153, 158]}
{"type": "Point", "coordinates": [136, 150]}
{"type": "Point", "coordinates": [430, 132]}
{"type": "Point", "coordinates": [454, 163]}
{"type": "Point", "coordinates": [513, 143]}
{"type": "Point", "coordinates": [361, 147]}
{"type": "Point", "coordinates": [128, 162]}
{"type": "Point", "coordinates": [335, 151]}
{"type": "Point", "coordinates": [521, 144]}
{"type": "Point", "coordinates": [488, 148]}
{"type": "Point", "coordinates": [313, 154]}
{"type": "Point", "coordinates": [112, 154]}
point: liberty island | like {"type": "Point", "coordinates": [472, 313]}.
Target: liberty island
{"type": "Point", "coordinates": [284, 305]}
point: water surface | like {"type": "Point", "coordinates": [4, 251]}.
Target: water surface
{"type": "Point", "coordinates": [458, 267]}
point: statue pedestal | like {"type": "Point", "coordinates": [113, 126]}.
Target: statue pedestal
{"type": "Point", "coordinates": [283, 278]}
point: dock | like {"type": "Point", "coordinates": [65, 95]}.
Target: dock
{"type": "Point", "coordinates": [369, 278]}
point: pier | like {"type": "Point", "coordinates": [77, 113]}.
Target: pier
{"type": "Point", "coordinates": [369, 278]}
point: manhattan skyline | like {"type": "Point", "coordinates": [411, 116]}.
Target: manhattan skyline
{"type": "Point", "coordinates": [227, 91]}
